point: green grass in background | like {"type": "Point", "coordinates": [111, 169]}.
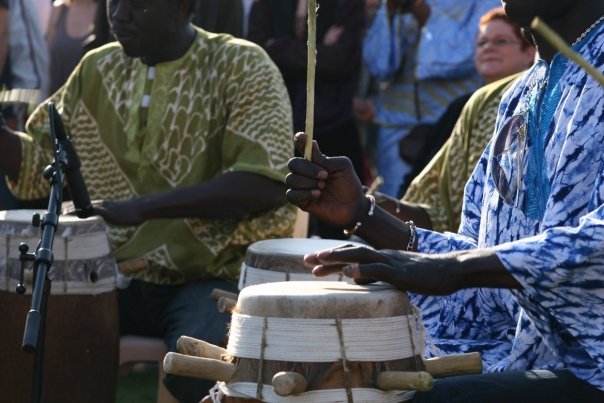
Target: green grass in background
{"type": "Point", "coordinates": [138, 385]}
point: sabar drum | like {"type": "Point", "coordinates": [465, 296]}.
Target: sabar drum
{"type": "Point", "coordinates": [330, 341]}
{"type": "Point", "coordinates": [82, 327]}
{"type": "Point", "coordinates": [274, 260]}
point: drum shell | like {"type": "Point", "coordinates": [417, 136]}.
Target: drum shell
{"type": "Point", "coordinates": [274, 260]}
{"type": "Point", "coordinates": [82, 326]}
{"type": "Point", "coordinates": [321, 375]}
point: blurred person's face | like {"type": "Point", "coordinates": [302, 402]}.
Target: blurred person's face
{"type": "Point", "coordinates": [143, 27]}
{"type": "Point", "coordinates": [522, 12]}
{"type": "Point", "coordinates": [499, 51]}
{"type": "Point", "coordinates": [371, 4]}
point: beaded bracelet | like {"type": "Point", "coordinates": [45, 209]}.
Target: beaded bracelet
{"type": "Point", "coordinates": [357, 225]}
{"type": "Point", "coordinates": [412, 235]}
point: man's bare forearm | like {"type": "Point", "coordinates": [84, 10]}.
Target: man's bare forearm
{"type": "Point", "coordinates": [232, 195]}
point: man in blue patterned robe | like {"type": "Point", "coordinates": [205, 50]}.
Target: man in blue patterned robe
{"type": "Point", "coordinates": [533, 223]}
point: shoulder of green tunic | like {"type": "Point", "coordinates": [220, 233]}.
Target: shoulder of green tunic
{"type": "Point", "coordinates": [484, 100]}
{"type": "Point", "coordinates": [91, 58]}
{"type": "Point", "coordinates": [486, 94]}
{"type": "Point", "coordinates": [232, 48]}
{"type": "Point", "coordinates": [261, 110]}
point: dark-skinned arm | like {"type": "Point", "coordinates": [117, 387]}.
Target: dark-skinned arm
{"type": "Point", "coordinates": [328, 188]}
{"type": "Point", "coordinates": [231, 195]}
{"type": "Point", "coordinates": [404, 211]}
{"type": "Point", "coordinates": [421, 273]}
{"type": "Point", "coordinates": [234, 194]}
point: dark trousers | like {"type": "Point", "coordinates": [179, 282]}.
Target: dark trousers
{"type": "Point", "coordinates": [538, 386]}
{"type": "Point", "coordinates": [169, 312]}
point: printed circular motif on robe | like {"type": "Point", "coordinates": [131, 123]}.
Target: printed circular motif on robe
{"type": "Point", "coordinates": [508, 160]}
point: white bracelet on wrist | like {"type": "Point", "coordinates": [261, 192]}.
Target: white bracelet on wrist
{"type": "Point", "coordinates": [358, 224]}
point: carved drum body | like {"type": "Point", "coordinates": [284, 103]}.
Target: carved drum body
{"type": "Point", "coordinates": [82, 331]}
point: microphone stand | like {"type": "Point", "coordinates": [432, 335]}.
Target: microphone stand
{"type": "Point", "coordinates": [35, 325]}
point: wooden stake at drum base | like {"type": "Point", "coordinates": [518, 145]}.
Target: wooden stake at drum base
{"type": "Point", "coordinates": [205, 362]}
{"type": "Point", "coordinates": [199, 348]}
{"type": "Point", "coordinates": [289, 383]}
{"type": "Point", "coordinates": [198, 367]}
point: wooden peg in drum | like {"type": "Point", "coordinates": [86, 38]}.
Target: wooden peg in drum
{"type": "Point", "coordinates": [286, 383]}
{"type": "Point", "coordinates": [439, 367]}
{"type": "Point", "coordinates": [199, 348]}
{"type": "Point", "coordinates": [405, 380]}
{"type": "Point", "coordinates": [226, 304]}
{"type": "Point", "coordinates": [454, 364]}
{"type": "Point", "coordinates": [129, 267]}
{"type": "Point", "coordinates": [225, 300]}
{"type": "Point", "coordinates": [217, 293]}
{"type": "Point", "coordinates": [198, 367]}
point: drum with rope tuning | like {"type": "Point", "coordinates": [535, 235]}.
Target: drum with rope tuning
{"type": "Point", "coordinates": [82, 327]}
{"type": "Point", "coordinates": [274, 260]}
{"type": "Point", "coordinates": [334, 338]}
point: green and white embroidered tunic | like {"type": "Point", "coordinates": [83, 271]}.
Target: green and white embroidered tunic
{"type": "Point", "coordinates": [139, 130]}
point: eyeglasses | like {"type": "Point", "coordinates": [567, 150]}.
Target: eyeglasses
{"type": "Point", "coordinates": [498, 43]}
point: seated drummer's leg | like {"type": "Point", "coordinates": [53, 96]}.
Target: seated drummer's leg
{"type": "Point", "coordinates": [193, 313]}
{"type": "Point", "coordinates": [140, 304]}
{"type": "Point", "coordinates": [517, 387]}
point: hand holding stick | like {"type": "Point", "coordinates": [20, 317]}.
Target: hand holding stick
{"type": "Point", "coordinates": [557, 42]}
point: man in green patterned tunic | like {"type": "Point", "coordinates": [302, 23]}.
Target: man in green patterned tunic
{"type": "Point", "coordinates": [184, 138]}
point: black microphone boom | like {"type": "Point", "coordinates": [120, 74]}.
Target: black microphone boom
{"type": "Point", "coordinates": [75, 181]}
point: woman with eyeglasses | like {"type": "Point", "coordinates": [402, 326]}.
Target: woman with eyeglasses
{"type": "Point", "coordinates": [457, 140]}
{"type": "Point", "coordinates": [501, 49]}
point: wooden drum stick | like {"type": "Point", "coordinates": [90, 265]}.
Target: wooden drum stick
{"type": "Point", "coordinates": [374, 185]}
{"type": "Point", "coordinates": [310, 76]}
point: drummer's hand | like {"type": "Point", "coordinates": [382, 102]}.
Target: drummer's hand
{"type": "Point", "coordinates": [125, 212]}
{"type": "Point", "coordinates": [326, 186]}
{"type": "Point", "coordinates": [420, 273]}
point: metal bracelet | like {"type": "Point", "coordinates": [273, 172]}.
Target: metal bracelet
{"type": "Point", "coordinates": [412, 235]}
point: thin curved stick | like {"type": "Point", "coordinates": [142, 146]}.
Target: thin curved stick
{"type": "Point", "coordinates": [310, 76]}
{"type": "Point", "coordinates": [557, 42]}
